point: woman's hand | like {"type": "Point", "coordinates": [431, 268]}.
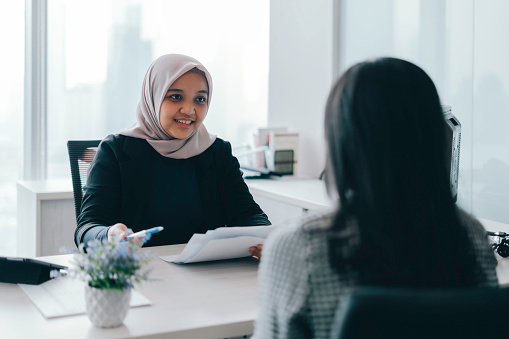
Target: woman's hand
{"type": "Point", "coordinates": [117, 231]}
{"type": "Point", "coordinates": [256, 251]}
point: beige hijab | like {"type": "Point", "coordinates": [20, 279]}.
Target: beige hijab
{"type": "Point", "coordinates": [160, 75]}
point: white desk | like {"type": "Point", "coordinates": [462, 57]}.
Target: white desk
{"type": "Point", "coordinates": [308, 194]}
{"type": "Point", "coordinates": [206, 300]}
{"type": "Point", "coordinates": [287, 198]}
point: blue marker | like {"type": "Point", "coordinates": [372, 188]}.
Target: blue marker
{"type": "Point", "coordinates": [144, 233]}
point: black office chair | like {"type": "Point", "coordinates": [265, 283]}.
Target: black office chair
{"type": "Point", "coordinates": [422, 314]}
{"type": "Point", "coordinates": [81, 154]}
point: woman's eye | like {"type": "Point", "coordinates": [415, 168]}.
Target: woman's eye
{"type": "Point", "coordinates": [175, 97]}
{"type": "Point", "coordinates": [201, 100]}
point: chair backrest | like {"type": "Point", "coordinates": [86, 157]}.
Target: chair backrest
{"type": "Point", "coordinates": [81, 154]}
{"type": "Point", "coordinates": [418, 314]}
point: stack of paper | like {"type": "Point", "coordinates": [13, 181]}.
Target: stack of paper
{"type": "Point", "coordinates": [221, 243]}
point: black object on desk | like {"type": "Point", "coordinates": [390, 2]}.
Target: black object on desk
{"type": "Point", "coordinates": [258, 172]}
{"type": "Point", "coordinates": [26, 271]}
{"type": "Point", "coordinates": [500, 243]}
{"type": "Point", "coordinates": [283, 161]}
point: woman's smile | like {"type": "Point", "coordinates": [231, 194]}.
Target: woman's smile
{"type": "Point", "coordinates": [183, 123]}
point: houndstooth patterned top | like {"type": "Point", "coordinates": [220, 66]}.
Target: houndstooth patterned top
{"type": "Point", "coordinates": [299, 291]}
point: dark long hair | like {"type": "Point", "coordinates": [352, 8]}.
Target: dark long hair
{"type": "Point", "coordinates": [387, 161]}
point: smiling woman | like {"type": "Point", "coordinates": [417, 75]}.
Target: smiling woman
{"type": "Point", "coordinates": [185, 105]}
{"type": "Point", "coordinates": [166, 169]}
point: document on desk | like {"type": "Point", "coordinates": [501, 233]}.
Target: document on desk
{"type": "Point", "coordinates": [65, 296]}
{"type": "Point", "coordinates": [221, 243]}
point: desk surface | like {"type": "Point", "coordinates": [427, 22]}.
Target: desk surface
{"type": "Point", "coordinates": [48, 189]}
{"type": "Point", "coordinates": [305, 193]}
{"type": "Point", "coordinates": [204, 300]}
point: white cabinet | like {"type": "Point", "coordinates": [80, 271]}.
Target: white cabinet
{"type": "Point", "coordinates": [46, 217]}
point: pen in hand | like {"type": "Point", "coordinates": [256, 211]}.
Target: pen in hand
{"type": "Point", "coordinates": [144, 233]}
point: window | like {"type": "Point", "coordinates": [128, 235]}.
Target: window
{"type": "Point", "coordinates": [11, 116]}
{"type": "Point", "coordinates": [99, 51]}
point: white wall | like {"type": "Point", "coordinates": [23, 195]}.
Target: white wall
{"type": "Point", "coordinates": [300, 74]}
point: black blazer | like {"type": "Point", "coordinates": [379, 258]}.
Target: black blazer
{"type": "Point", "coordinates": [118, 186]}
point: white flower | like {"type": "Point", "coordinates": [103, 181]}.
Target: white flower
{"type": "Point", "coordinates": [116, 265]}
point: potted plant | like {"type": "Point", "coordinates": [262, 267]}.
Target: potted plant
{"type": "Point", "coordinates": [110, 269]}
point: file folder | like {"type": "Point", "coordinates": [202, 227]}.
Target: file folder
{"type": "Point", "coordinates": [26, 271]}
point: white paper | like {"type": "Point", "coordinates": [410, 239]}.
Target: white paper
{"type": "Point", "coordinates": [221, 243]}
{"type": "Point", "coordinates": [193, 246]}
{"type": "Point", "coordinates": [65, 296]}
{"type": "Point", "coordinates": [220, 249]}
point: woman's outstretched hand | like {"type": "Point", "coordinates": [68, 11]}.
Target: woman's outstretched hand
{"type": "Point", "coordinates": [117, 231]}
{"type": "Point", "coordinates": [256, 251]}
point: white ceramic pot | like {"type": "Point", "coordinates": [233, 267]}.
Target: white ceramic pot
{"type": "Point", "coordinates": [107, 308]}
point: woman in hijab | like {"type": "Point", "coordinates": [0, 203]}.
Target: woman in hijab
{"type": "Point", "coordinates": [167, 169]}
{"type": "Point", "coordinates": [396, 225]}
